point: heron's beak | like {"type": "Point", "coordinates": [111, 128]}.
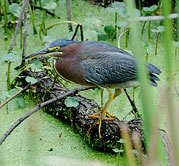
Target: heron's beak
{"type": "Point", "coordinates": [44, 52]}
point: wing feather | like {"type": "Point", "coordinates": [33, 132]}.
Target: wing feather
{"type": "Point", "coordinates": [105, 69]}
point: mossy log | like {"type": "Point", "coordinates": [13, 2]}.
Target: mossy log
{"type": "Point", "coordinates": [78, 117]}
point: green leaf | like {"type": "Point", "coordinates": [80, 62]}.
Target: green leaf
{"type": "Point", "coordinates": [20, 102]}
{"type": "Point", "coordinates": [5, 95]}
{"type": "Point", "coordinates": [50, 5]}
{"type": "Point", "coordinates": [102, 37]}
{"type": "Point", "coordinates": [36, 66]}
{"type": "Point", "coordinates": [129, 51]}
{"type": "Point", "coordinates": [122, 24]}
{"type": "Point", "coordinates": [71, 102]}
{"type": "Point", "coordinates": [159, 29]}
{"type": "Point", "coordinates": [120, 8]}
{"type": "Point", "coordinates": [122, 141]}
{"type": "Point", "coordinates": [116, 150]}
{"type": "Point", "coordinates": [91, 35]}
{"type": "Point", "coordinates": [47, 67]}
{"type": "Point", "coordinates": [47, 39]}
{"type": "Point", "coordinates": [15, 9]}
{"type": "Point", "coordinates": [118, 5]}
{"type": "Point", "coordinates": [150, 9]}
{"type": "Point", "coordinates": [13, 91]}
{"type": "Point", "coordinates": [137, 12]}
{"type": "Point", "coordinates": [31, 80]}
{"type": "Point", "coordinates": [110, 31]}
{"type": "Point", "coordinates": [10, 57]}
{"type": "Point", "coordinates": [148, 47]}
{"type": "Point", "coordinates": [176, 44]}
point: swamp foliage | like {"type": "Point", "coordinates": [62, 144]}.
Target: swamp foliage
{"type": "Point", "coordinates": [44, 140]}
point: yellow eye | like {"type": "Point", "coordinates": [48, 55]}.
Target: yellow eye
{"type": "Point", "coordinates": [57, 48]}
{"type": "Point", "coordinates": [54, 48]}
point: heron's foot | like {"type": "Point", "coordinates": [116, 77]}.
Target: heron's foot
{"type": "Point", "coordinates": [99, 121]}
{"type": "Point", "coordinates": [96, 115]}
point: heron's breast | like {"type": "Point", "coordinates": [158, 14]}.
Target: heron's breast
{"type": "Point", "coordinates": [70, 69]}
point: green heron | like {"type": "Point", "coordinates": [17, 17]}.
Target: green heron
{"type": "Point", "coordinates": [96, 64]}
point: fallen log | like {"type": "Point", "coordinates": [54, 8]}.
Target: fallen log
{"type": "Point", "coordinates": [111, 131]}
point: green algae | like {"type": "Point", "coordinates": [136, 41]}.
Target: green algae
{"type": "Point", "coordinates": [42, 139]}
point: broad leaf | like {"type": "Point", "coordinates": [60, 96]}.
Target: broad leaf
{"type": "Point", "coordinates": [31, 80]}
{"type": "Point", "coordinates": [20, 102]}
{"type": "Point", "coordinates": [36, 66]}
{"type": "Point", "coordinates": [148, 47]}
{"type": "Point", "coordinates": [50, 5]}
{"type": "Point", "coordinates": [159, 29]}
{"type": "Point", "coordinates": [10, 57]}
{"type": "Point", "coordinates": [176, 44]}
{"type": "Point", "coordinates": [150, 9]}
{"type": "Point", "coordinates": [71, 102]}
{"type": "Point", "coordinates": [47, 39]}
{"type": "Point", "coordinates": [116, 150]}
{"type": "Point", "coordinates": [15, 9]}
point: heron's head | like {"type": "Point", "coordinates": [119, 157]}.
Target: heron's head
{"type": "Point", "coordinates": [54, 52]}
{"type": "Point", "coordinates": [53, 49]}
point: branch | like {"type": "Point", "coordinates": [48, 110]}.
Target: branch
{"type": "Point", "coordinates": [33, 6]}
{"type": "Point", "coordinates": [38, 107]}
{"type": "Point", "coordinates": [17, 26]}
{"type": "Point", "coordinates": [68, 9]}
{"type": "Point", "coordinates": [81, 30]}
{"type": "Point", "coordinates": [76, 30]}
{"type": "Point", "coordinates": [24, 33]}
{"type": "Point", "coordinates": [41, 8]}
{"type": "Point", "coordinates": [135, 111]}
{"type": "Point", "coordinates": [19, 92]}
{"type": "Point", "coordinates": [15, 95]}
{"type": "Point", "coordinates": [157, 18]}
{"type": "Point", "coordinates": [168, 147]}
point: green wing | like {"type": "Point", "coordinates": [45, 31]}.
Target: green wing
{"type": "Point", "coordinates": [109, 68]}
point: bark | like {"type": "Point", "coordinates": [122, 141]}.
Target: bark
{"type": "Point", "coordinates": [78, 117]}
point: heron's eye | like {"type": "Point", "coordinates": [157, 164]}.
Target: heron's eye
{"type": "Point", "coordinates": [57, 48]}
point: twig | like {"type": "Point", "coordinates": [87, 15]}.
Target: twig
{"type": "Point", "coordinates": [17, 26]}
{"type": "Point", "coordinates": [41, 8]}
{"type": "Point", "coordinates": [15, 95]}
{"type": "Point", "coordinates": [69, 15]}
{"type": "Point", "coordinates": [24, 33]}
{"type": "Point", "coordinates": [135, 111]}
{"type": "Point", "coordinates": [81, 30]}
{"type": "Point", "coordinates": [48, 12]}
{"type": "Point", "coordinates": [38, 107]}
{"type": "Point", "coordinates": [76, 30]}
{"type": "Point", "coordinates": [168, 148]}
{"type": "Point", "coordinates": [19, 92]}
{"type": "Point", "coordinates": [157, 18]}
{"type": "Point", "coordinates": [54, 80]}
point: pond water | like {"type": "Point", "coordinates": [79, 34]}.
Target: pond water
{"type": "Point", "coordinates": [36, 141]}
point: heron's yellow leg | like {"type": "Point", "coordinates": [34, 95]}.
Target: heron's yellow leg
{"type": "Point", "coordinates": [94, 116]}
{"type": "Point", "coordinates": [117, 93]}
{"type": "Point", "coordinates": [104, 111]}
{"type": "Point", "coordinates": [110, 99]}
{"type": "Point", "coordinates": [102, 95]}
